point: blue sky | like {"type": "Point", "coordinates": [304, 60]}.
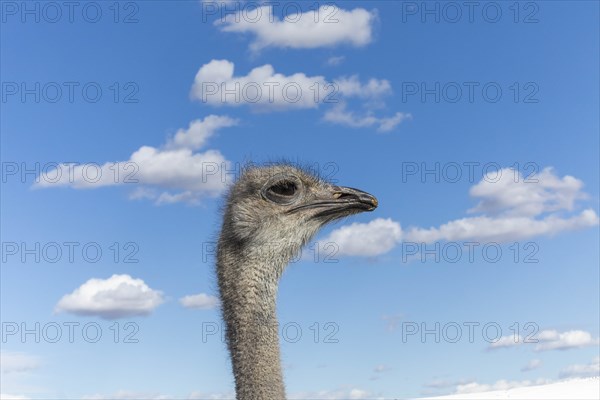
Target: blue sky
{"type": "Point", "coordinates": [387, 63]}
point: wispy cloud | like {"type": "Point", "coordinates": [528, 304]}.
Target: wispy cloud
{"type": "Point", "coordinates": [8, 396]}
{"type": "Point", "coordinates": [15, 362]}
{"type": "Point", "coordinates": [336, 394]}
{"type": "Point", "coordinates": [549, 339]}
{"type": "Point", "coordinates": [392, 321]}
{"type": "Point", "coordinates": [335, 60]}
{"type": "Point", "coordinates": [503, 384]}
{"type": "Point", "coordinates": [341, 116]}
{"type": "Point", "coordinates": [582, 370]}
{"type": "Point", "coordinates": [128, 395]}
{"type": "Point", "coordinates": [531, 365]}
{"type": "Point", "coordinates": [200, 301]}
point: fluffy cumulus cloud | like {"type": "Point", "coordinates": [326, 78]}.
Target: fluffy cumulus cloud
{"type": "Point", "coordinates": [116, 297]}
{"type": "Point", "coordinates": [326, 26]}
{"type": "Point", "coordinates": [200, 301]}
{"type": "Point", "coordinates": [538, 205]}
{"type": "Point", "coordinates": [365, 239]}
{"type": "Point", "coordinates": [507, 192]}
{"type": "Point", "coordinates": [507, 341]}
{"type": "Point", "coordinates": [199, 131]}
{"type": "Point", "coordinates": [549, 339]}
{"type": "Point", "coordinates": [554, 340]}
{"type": "Point", "coordinates": [515, 207]}
{"type": "Point", "coordinates": [264, 89]}
{"type": "Point", "coordinates": [171, 173]}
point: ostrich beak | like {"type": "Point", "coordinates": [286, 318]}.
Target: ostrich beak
{"type": "Point", "coordinates": [354, 198]}
{"type": "Point", "coordinates": [338, 202]}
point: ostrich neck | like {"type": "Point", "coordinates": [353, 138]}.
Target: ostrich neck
{"type": "Point", "coordinates": [248, 284]}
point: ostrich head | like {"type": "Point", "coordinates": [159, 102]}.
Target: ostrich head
{"type": "Point", "coordinates": [285, 204]}
{"type": "Point", "coordinates": [271, 212]}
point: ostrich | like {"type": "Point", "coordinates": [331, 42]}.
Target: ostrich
{"type": "Point", "coordinates": [270, 213]}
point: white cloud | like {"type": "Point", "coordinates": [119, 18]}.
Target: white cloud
{"type": "Point", "coordinates": [582, 370]}
{"type": "Point", "coordinates": [335, 60]}
{"type": "Point", "coordinates": [554, 340]}
{"type": "Point", "coordinates": [201, 301]}
{"type": "Point", "coordinates": [519, 209]}
{"type": "Point", "coordinates": [502, 229]}
{"type": "Point", "coordinates": [366, 239]}
{"type": "Point", "coordinates": [381, 368]}
{"type": "Point", "coordinates": [549, 339]}
{"type": "Point", "coordinates": [216, 84]}
{"type": "Point", "coordinates": [507, 341]}
{"type": "Point", "coordinates": [341, 116]}
{"type": "Point", "coordinates": [344, 393]}
{"type": "Point", "coordinates": [475, 387]}
{"type": "Point", "coordinates": [11, 362]}
{"type": "Point", "coordinates": [353, 87]}
{"type": "Point", "coordinates": [128, 395]}
{"type": "Point", "coordinates": [508, 192]}
{"type": "Point", "coordinates": [6, 396]}
{"type": "Point", "coordinates": [531, 365]}
{"type": "Point", "coordinates": [175, 166]}
{"type": "Point", "coordinates": [445, 383]}
{"type": "Point", "coordinates": [211, 396]}
{"type": "Point", "coordinates": [195, 136]}
{"type": "Point", "coordinates": [261, 88]}
{"type": "Point", "coordinates": [358, 394]}
{"type": "Point", "coordinates": [134, 395]}
{"type": "Point", "coordinates": [512, 220]}
{"type": "Point", "coordinates": [326, 26]}
{"type": "Point", "coordinates": [116, 297]}
{"type": "Point", "coordinates": [392, 321]}
{"type": "Point", "coordinates": [538, 389]}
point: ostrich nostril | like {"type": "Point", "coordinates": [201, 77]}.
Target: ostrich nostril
{"type": "Point", "coordinates": [340, 195]}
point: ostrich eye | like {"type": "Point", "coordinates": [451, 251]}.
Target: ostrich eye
{"type": "Point", "coordinates": [285, 188]}
{"type": "Point", "coordinates": [282, 189]}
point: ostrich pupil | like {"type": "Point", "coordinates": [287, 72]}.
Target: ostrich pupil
{"type": "Point", "coordinates": [284, 188]}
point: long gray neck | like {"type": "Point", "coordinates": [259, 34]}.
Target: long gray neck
{"type": "Point", "coordinates": [248, 281]}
